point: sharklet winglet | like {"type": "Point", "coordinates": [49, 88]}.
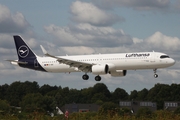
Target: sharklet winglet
{"type": "Point", "coordinates": [43, 50]}
{"type": "Point", "coordinates": [46, 53]}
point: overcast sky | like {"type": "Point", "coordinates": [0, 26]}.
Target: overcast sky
{"type": "Point", "coordinates": [88, 27]}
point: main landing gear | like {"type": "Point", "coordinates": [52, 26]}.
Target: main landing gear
{"type": "Point", "coordinates": [86, 77]}
{"type": "Point", "coordinates": [98, 78]}
{"type": "Point", "coordinates": [155, 75]}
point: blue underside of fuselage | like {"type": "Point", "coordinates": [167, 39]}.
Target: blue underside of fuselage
{"type": "Point", "coordinates": [32, 63]}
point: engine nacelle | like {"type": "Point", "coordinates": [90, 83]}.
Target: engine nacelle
{"type": "Point", "coordinates": [100, 69]}
{"type": "Point", "coordinates": [112, 67]}
{"type": "Point", "coordinates": [119, 73]}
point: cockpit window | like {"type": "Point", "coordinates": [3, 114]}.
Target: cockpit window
{"type": "Point", "coordinates": [164, 56]}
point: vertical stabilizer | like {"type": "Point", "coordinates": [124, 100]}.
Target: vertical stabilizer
{"type": "Point", "coordinates": [23, 50]}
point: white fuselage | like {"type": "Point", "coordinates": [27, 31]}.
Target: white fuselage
{"type": "Point", "coordinates": [122, 61]}
{"type": "Point", "coordinates": [99, 64]}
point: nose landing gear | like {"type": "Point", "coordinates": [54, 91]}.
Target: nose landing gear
{"type": "Point", "coordinates": [155, 75]}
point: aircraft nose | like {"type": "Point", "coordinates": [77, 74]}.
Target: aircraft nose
{"type": "Point", "coordinates": [172, 61]}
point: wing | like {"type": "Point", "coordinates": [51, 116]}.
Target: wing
{"type": "Point", "coordinates": [82, 66]}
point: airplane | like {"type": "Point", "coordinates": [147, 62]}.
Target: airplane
{"type": "Point", "coordinates": [115, 64]}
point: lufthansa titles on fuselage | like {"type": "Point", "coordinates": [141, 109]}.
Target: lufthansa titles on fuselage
{"type": "Point", "coordinates": [138, 55]}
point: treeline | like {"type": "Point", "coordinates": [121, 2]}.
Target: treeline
{"type": "Point", "coordinates": [30, 96]}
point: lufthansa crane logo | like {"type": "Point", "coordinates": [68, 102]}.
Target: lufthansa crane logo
{"type": "Point", "coordinates": [23, 51]}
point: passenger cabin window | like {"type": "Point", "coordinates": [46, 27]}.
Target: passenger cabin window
{"type": "Point", "coordinates": [164, 56]}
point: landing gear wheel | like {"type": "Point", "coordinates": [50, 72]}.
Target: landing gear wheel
{"type": "Point", "coordinates": [85, 77]}
{"type": "Point", "coordinates": [98, 78]}
{"type": "Point", "coordinates": [155, 75]}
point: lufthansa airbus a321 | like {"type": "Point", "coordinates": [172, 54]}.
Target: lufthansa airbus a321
{"type": "Point", "coordinates": [99, 64]}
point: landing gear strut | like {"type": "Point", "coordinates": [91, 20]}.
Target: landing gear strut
{"type": "Point", "coordinates": [98, 78]}
{"type": "Point", "coordinates": [85, 77]}
{"type": "Point", "coordinates": [155, 75]}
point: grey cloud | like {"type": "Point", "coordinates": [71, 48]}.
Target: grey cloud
{"type": "Point", "coordinates": [12, 23]}
{"type": "Point", "coordinates": [135, 4]}
{"type": "Point", "coordinates": [83, 12]}
{"type": "Point", "coordinates": [176, 5]}
{"type": "Point", "coordinates": [108, 39]}
{"type": "Point", "coordinates": [6, 41]}
{"type": "Point", "coordinates": [88, 35]}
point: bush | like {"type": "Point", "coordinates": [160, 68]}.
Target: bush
{"type": "Point", "coordinates": [108, 107]}
{"type": "Point", "coordinates": [144, 112]}
{"type": "Point", "coordinates": [177, 111]}
{"type": "Point", "coordinates": [4, 106]}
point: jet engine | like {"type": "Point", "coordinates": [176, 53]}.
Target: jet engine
{"type": "Point", "coordinates": [100, 69]}
{"type": "Point", "coordinates": [112, 67]}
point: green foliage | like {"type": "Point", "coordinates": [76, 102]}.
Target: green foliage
{"type": "Point", "coordinates": [17, 90]}
{"type": "Point", "coordinates": [99, 97]}
{"type": "Point", "coordinates": [177, 111]}
{"type": "Point", "coordinates": [4, 106]}
{"type": "Point", "coordinates": [32, 102]}
{"type": "Point", "coordinates": [37, 102]}
{"type": "Point", "coordinates": [108, 107]}
{"type": "Point", "coordinates": [162, 92]}
{"type": "Point", "coordinates": [133, 95]}
{"type": "Point", "coordinates": [102, 89]}
{"type": "Point", "coordinates": [46, 89]}
{"type": "Point", "coordinates": [119, 94]}
{"type": "Point", "coordinates": [142, 95]}
{"type": "Point", "coordinates": [86, 95]}
{"type": "Point", "coordinates": [144, 112]}
{"type": "Point", "coordinates": [31, 97]}
{"type": "Point", "coordinates": [3, 91]}
{"type": "Point", "coordinates": [158, 115]}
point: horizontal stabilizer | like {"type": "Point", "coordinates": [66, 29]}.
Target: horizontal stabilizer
{"type": "Point", "coordinates": [15, 61]}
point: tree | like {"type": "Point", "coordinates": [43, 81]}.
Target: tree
{"type": "Point", "coordinates": [32, 102]}
{"type": "Point", "coordinates": [99, 97]}
{"type": "Point", "coordinates": [48, 103]}
{"type": "Point", "coordinates": [59, 97]}
{"type": "Point", "coordinates": [74, 96]}
{"type": "Point", "coordinates": [101, 88]}
{"type": "Point", "coordinates": [175, 88]}
{"type": "Point", "coordinates": [119, 94]}
{"type": "Point", "coordinates": [108, 107]}
{"type": "Point", "coordinates": [4, 106]}
{"type": "Point", "coordinates": [17, 90]}
{"type": "Point", "coordinates": [142, 95]}
{"type": "Point", "coordinates": [29, 87]}
{"type": "Point", "coordinates": [3, 91]}
{"type": "Point", "coordinates": [133, 95]}
{"type": "Point", "coordinates": [45, 89]}
{"type": "Point", "coordinates": [86, 94]}
{"type": "Point", "coordinates": [13, 94]}
{"type": "Point", "coordinates": [160, 93]}
{"type": "Point", "coordinates": [37, 102]}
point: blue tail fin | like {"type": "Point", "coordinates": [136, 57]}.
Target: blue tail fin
{"type": "Point", "coordinates": [23, 50]}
